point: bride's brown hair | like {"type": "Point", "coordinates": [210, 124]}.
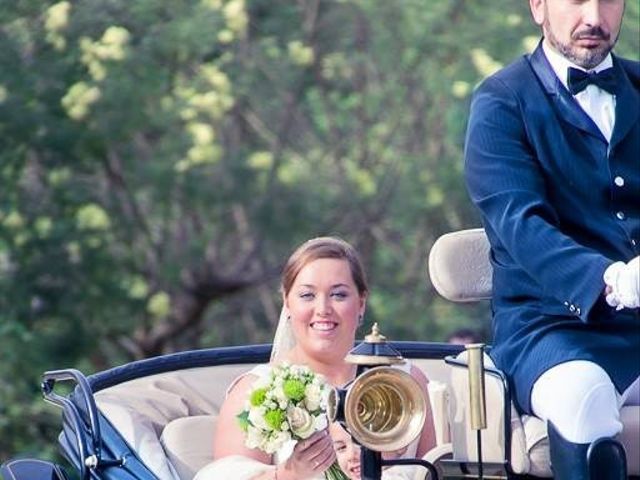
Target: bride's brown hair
{"type": "Point", "coordinates": [324, 247]}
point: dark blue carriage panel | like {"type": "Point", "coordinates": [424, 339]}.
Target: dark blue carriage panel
{"type": "Point", "coordinates": [31, 469]}
{"type": "Point", "coordinates": [118, 460]}
{"type": "Point", "coordinates": [89, 442]}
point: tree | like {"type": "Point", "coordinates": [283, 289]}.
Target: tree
{"type": "Point", "coordinates": [159, 163]}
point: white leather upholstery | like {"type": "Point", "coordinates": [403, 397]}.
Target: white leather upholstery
{"type": "Point", "coordinates": [169, 419]}
{"type": "Point", "coordinates": [188, 443]}
{"type": "Point", "coordinates": [459, 266]}
{"type": "Point", "coordinates": [142, 409]}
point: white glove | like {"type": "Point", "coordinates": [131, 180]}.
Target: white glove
{"type": "Point", "coordinates": [623, 280]}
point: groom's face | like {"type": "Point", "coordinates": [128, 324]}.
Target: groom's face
{"type": "Point", "coordinates": [583, 31]}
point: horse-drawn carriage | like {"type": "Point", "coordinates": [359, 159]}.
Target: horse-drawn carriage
{"type": "Point", "coordinates": [154, 419]}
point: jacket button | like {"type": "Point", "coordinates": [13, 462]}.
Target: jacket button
{"type": "Point", "coordinates": [620, 215]}
{"type": "Point", "coordinates": [619, 181]}
{"type": "Point", "coordinates": [572, 308]}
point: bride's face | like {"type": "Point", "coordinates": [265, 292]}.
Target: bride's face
{"type": "Point", "coordinates": [325, 305]}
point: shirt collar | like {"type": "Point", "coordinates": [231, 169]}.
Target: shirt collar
{"type": "Point", "coordinates": [561, 64]}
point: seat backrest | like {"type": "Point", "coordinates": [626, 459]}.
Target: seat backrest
{"type": "Point", "coordinates": [142, 409]}
{"type": "Point", "coordinates": [459, 266]}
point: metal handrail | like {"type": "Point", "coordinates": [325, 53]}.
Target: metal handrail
{"type": "Point", "coordinates": [90, 459]}
{"type": "Point", "coordinates": [72, 413]}
{"type": "Point", "coordinates": [49, 380]}
{"type": "Point", "coordinates": [433, 473]}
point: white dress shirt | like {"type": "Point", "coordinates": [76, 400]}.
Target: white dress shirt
{"type": "Point", "coordinates": [599, 104]}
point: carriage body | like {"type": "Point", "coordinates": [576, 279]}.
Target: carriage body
{"type": "Point", "coordinates": [154, 419]}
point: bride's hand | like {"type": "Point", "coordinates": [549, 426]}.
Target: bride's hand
{"type": "Point", "coordinates": [310, 457]}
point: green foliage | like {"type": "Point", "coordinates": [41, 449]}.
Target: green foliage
{"type": "Point", "coordinates": [243, 420]}
{"type": "Point", "coordinates": [158, 163]}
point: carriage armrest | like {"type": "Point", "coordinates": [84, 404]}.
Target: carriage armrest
{"type": "Point", "coordinates": [188, 443]}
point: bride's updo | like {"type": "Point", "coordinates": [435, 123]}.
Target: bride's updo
{"type": "Point", "coordinates": [324, 247]}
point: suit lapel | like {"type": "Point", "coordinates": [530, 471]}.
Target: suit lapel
{"type": "Point", "coordinates": [567, 107]}
{"type": "Point", "coordinates": [627, 105]}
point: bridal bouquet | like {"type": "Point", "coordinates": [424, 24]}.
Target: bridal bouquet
{"type": "Point", "coordinates": [289, 404]}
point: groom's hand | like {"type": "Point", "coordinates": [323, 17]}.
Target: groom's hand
{"type": "Point", "coordinates": [623, 284]}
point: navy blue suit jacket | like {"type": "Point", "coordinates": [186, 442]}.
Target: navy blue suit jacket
{"type": "Point", "coordinates": [544, 179]}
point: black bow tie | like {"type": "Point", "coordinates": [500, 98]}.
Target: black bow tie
{"type": "Point", "coordinates": [579, 79]}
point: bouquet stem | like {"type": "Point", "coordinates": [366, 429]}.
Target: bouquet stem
{"type": "Point", "coordinates": [334, 472]}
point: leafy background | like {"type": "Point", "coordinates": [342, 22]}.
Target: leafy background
{"type": "Point", "coordinates": [159, 161]}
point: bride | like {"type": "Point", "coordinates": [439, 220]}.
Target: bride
{"type": "Point", "coordinates": [324, 292]}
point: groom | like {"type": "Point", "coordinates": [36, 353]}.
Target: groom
{"type": "Point", "coordinates": [552, 161]}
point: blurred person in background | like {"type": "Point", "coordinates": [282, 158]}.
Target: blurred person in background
{"type": "Point", "coordinates": [464, 336]}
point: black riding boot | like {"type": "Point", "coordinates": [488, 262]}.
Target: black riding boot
{"type": "Point", "coordinates": [607, 460]}
{"type": "Point", "coordinates": [603, 459]}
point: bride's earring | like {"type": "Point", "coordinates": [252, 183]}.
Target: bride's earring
{"type": "Point", "coordinates": [360, 320]}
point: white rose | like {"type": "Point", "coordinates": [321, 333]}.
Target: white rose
{"type": "Point", "coordinates": [312, 397]}
{"type": "Point", "coordinates": [301, 422]}
{"type": "Point", "coordinates": [256, 417]}
{"type": "Point", "coordinates": [280, 396]}
{"type": "Point", "coordinates": [275, 442]}
{"type": "Point", "coordinates": [320, 422]}
{"type": "Point", "coordinates": [254, 437]}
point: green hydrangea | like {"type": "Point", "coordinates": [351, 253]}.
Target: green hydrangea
{"type": "Point", "coordinates": [275, 418]}
{"type": "Point", "coordinates": [293, 389]}
{"type": "Point", "coordinates": [257, 397]}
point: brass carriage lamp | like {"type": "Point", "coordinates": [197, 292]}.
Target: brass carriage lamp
{"type": "Point", "coordinates": [383, 408]}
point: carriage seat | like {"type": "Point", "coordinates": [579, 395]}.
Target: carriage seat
{"type": "Point", "coordinates": [460, 271]}
{"type": "Point", "coordinates": [169, 418]}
